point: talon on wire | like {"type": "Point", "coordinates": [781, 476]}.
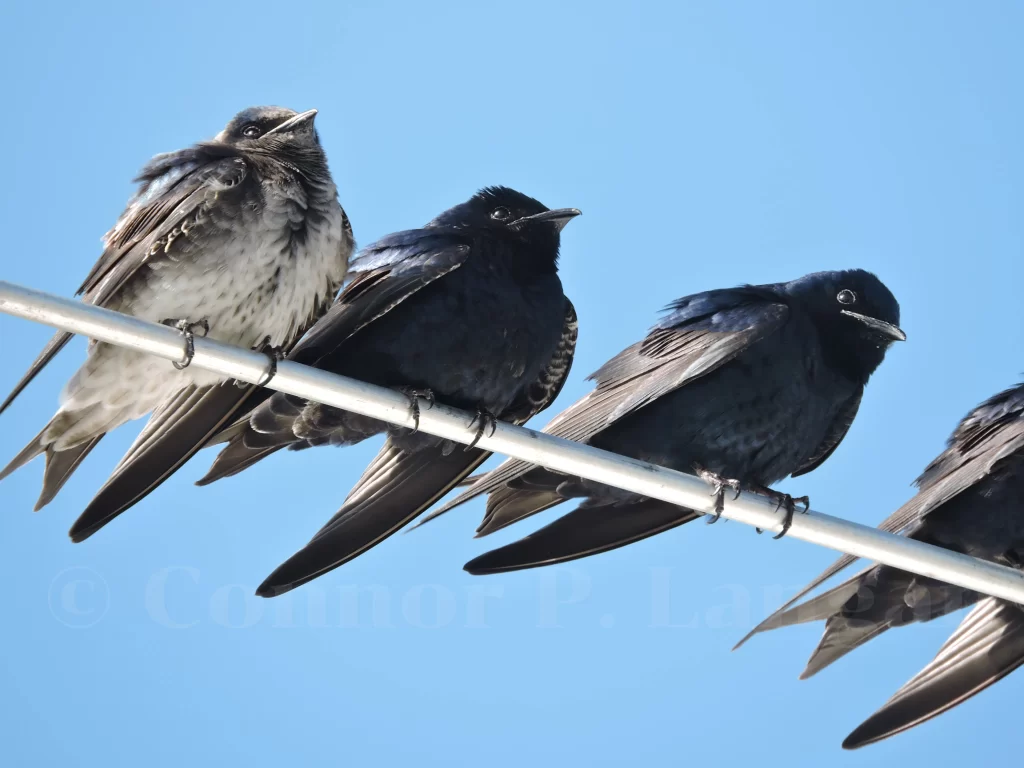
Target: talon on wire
{"type": "Point", "coordinates": [414, 396]}
{"type": "Point", "coordinates": [718, 485]}
{"type": "Point", "coordinates": [275, 355]}
{"type": "Point", "coordinates": [188, 330]}
{"type": "Point", "coordinates": [484, 420]}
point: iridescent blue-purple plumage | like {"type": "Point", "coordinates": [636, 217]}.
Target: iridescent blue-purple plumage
{"type": "Point", "coordinates": [754, 383]}
{"type": "Point", "coordinates": [469, 308]}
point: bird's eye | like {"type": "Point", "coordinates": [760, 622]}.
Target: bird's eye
{"type": "Point", "coordinates": [500, 213]}
{"type": "Point", "coordinates": [251, 131]}
{"type": "Point", "coordinates": [846, 296]}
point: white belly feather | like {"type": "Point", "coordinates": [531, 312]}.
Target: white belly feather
{"type": "Point", "coordinates": [259, 284]}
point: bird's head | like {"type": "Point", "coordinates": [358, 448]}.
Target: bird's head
{"type": "Point", "coordinates": [271, 129]}
{"type": "Point", "coordinates": [511, 216]}
{"type": "Point", "coordinates": [856, 316]}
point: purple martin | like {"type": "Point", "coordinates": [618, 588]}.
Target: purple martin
{"type": "Point", "coordinates": [741, 386]}
{"type": "Point", "coordinates": [468, 310]}
{"type": "Point", "coordinates": [970, 499]}
{"type": "Point", "coordinates": [241, 236]}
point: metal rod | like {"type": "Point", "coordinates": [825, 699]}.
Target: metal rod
{"type": "Point", "coordinates": [518, 442]}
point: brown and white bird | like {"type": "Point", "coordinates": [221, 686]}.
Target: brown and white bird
{"type": "Point", "coordinates": [242, 236]}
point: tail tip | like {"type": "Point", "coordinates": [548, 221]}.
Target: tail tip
{"type": "Point", "coordinates": [270, 589]}
{"type": "Point", "coordinates": [82, 529]}
{"type": "Point", "coordinates": [77, 537]}
{"type": "Point", "coordinates": [852, 742]}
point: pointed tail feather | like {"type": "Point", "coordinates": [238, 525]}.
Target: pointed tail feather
{"type": "Point", "coordinates": [53, 346]}
{"type": "Point", "coordinates": [480, 485]}
{"type": "Point", "coordinates": [840, 637]}
{"type": "Point", "coordinates": [235, 458]}
{"type": "Point", "coordinates": [174, 433]}
{"type": "Point", "coordinates": [458, 501]}
{"type": "Point", "coordinates": [60, 465]}
{"type": "Point", "coordinates": [896, 523]}
{"type": "Point", "coordinates": [394, 489]}
{"type": "Point", "coordinates": [876, 602]}
{"type": "Point", "coordinates": [506, 506]}
{"type": "Point", "coordinates": [987, 646]}
{"type": "Point", "coordinates": [817, 609]}
{"type": "Point", "coordinates": [35, 447]}
{"type": "Point", "coordinates": [885, 597]}
{"type": "Point", "coordinates": [477, 488]}
{"type": "Point", "coordinates": [246, 444]}
{"type": "Point", "coordinates": [583, 532]}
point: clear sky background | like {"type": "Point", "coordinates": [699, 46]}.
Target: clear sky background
{"type": "Point", "coordinates": [708, 144]}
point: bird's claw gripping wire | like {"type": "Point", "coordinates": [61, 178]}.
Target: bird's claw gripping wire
{"type": "Point", "coordinates": [275, 354]}
{"type": "Point", "coordinates": [787, 502]}
{"type": "Point", "coordinates": [483, 420]}
{"type": "Point", "coordinates": [413, 394]}
{"type": "Point", "coordinates": [718, 486]}
{"type": "Point", "coordinates": [188, 329]}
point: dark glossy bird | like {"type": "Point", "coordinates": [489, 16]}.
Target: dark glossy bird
{"type": "Point", "coordinates": [242, 236]}
{"type": "Point", "coordinates": [751, 384]}
{"type": "Point", "coordinates": [970, 499]}
{"type": "Point", "coordinates": [469, 311]}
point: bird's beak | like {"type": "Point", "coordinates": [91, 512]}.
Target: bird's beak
{"type": "Point", "coordinates": [302, 121]}
{"type": "Point", "coordinates": [882, 328]}
{"type": "Point", "coordinates": [559, 217]}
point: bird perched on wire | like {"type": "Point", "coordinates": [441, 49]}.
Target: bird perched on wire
{"type": "Point", "coordinates": [242, 237]}
{"type": "Point", "coordinates": [742, 386]}
{"type": "Point", "coordinates": [468, 310]}
{"type": "Point", "coordinates": [970, 499]}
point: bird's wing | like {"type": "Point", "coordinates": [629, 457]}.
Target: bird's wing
{"type": "Point", "coordinates": [991, 433]}
{"type": "Point", "coordinates": [702, 333]}
{"type": "Point", "coordinates": [175, 192]}
{"type": "Point", "coordinates": [987, 646]}
{"type": "Point", "coordinates": [398, 485]}
{"type": "Point", "coordinates": [993, 428]}
{"type": "Point", "coordinates": [174, 433]}
{"type": "Point", "coordinates": [835, 434]}
{"type": "Point", "coordinates": [591, 530]}
{"type": "Point", "coordinates": [583, 532]}
{"type": "Point", "coordinates": [385, 274]}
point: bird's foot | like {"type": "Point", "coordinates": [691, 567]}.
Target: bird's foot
{"type": "Point", "coordinates": [783, 501]}
{"type": "Point", "coordinates": [188, 330]}
{"type": "Point", "coordinates": [718, 485]}
{"type": "Point", "coordinates": [483, 420]}
{"type": "Point", "coordinates": [275, 355]}
{"type": "Point", "coordinates": [1014, 558]}
{"type": "Point", "coordinates": [414, 395]}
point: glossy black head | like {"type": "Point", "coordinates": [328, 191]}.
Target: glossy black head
{"type": "Point", "coordinates": [856, 315]}
{"type": "Point", "coordinates": [513, 217]}
{"type": "Point", "coordinates": [270, 129]}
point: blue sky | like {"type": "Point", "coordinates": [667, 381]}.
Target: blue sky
{"type": "Point", "coordinates": [708, 144]}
